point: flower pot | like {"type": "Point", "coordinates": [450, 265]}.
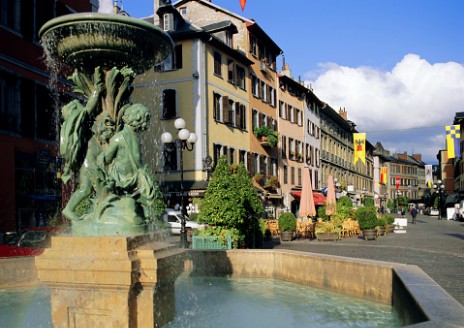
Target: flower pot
{"type": "Point", "coordinates": [286, 235]}
{"type": "Point", "coordinates": [328, 236]}
{"type": "Point", "coordinates": [370, 234]}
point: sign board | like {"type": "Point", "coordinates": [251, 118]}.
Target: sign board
{"type": "Point", "coordinates": [400, 225]}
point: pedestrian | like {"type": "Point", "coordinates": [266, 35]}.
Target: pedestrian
{"type": "Point", "coordinates": [414, 214]}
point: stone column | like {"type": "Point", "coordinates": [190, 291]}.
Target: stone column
{"type": "Point", "coordinates": [110, 281]}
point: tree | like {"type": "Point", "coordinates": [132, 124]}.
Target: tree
{"type": "Point", "coordinates": [230, 200]}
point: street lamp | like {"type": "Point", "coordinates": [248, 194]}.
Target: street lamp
{"type": "Point", "coordinates": [185, 141]}
{"type": "Point", "coordinates": [439, 190]}
{"type": "Point", "coordinates": [398, 193]}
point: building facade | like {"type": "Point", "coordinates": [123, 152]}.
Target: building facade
{"type": "Point", "coordinates": [31, 191]}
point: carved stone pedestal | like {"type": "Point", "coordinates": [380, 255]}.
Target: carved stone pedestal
{"type": "Point", "coordinates": [110, 281]}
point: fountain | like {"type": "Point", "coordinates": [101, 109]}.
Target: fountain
{"type": "Point", "coordinates": [108, 268]}
{"type": "Point", "coordinates": [99, 138]}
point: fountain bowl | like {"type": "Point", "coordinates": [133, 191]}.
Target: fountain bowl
{"type": "Point", "coordinates": [88, 40]}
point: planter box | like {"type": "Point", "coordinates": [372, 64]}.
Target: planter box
{"type": "Point", "coordinates": [286, 236]}
{"type": "Point", "coordinates": [328, 236]}
{"type": "Point", "coordinates": [370, 234]}
{"type": "Point", "coordinates": [211, 242]}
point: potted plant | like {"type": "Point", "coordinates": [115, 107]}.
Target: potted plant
{"type": "Point", "coordinates": [390, 219]}
{"type": "Point", "coordinates": [381, 222]}
{"type": "Point", "coordinates": [367, 220]}
{"type": "Point", "coordinates": [271, 182]}
{"type": "Point", "coordinates": [287, 226]}
{"type": "Point", "coordinates": [259, 178]}
{"type": "Point", "coordinates": [266, 135]}
{"type": "Point", "coordinates": [327, 231]}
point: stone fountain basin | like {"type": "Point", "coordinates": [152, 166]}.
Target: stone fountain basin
{"type": "Point", "coordinates": [88, 40]}
{"type": "Point", "coordinates": [418, 299]}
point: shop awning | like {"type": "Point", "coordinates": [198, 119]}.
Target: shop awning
{"type": "Point", "coordinates": [319, 199]}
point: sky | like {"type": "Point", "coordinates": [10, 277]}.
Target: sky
{"type": "Point", "coordinates": [396, 66]}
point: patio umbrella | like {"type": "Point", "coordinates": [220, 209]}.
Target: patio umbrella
{"type": "Point", "coordinates": [307, 207]}
{"type": "Point", "coordinates": [331, 202]}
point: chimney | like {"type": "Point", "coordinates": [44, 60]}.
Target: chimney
{"type": "Point", "coordinates": [342, 113]}
{"type": "Point", "coordinates": [417, 157]}
{"type": "Point", "coordinates": [403, 155]}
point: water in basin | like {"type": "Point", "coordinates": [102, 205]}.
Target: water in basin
{"type": "Point", "coordinates": [220, 302]}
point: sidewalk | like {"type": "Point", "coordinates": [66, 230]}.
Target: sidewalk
{"type": "Point", "coordinates": [436, 246]}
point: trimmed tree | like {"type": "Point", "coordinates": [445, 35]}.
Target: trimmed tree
{"type": "Point", "coordinates": [231, 201]}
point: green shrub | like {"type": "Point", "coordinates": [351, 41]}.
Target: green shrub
{"type": "Point", "coordinates": [345, 201]}
{"type": "Point", "coordinates": [389, 218]}
{"type": "Point", "coordinates": [193, 217]}
{"type": "Point", "coordinates": [287, 222]}
{"type": "Point", "coordinates": [368, 202]}
{"type": "Point", "coordinates": [321, 213]}
{"type": "Point", "coordinates": [381, 222]}
{"type": "Point", "coordinates": [366, 217]}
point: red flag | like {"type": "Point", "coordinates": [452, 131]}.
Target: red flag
{"type": "Point", "coordinates": [242, 4]}
{"type": "Point", "coordinates": [398, 180]}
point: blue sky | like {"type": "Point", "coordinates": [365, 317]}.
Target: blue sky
{"type": "Point", "coordinates": [397, 66]}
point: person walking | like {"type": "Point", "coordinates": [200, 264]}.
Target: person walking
{"type": "Point", "coordinates": [414, 214]}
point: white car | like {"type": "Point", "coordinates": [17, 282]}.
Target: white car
{"type": "Point", "coordinates": [174, 221]}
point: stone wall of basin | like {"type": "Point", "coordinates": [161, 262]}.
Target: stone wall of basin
{"type": "Point", "coordinates": [17, 272]}
{"type": "Point", "coordinates": [417, 298]}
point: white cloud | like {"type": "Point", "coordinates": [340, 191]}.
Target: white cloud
{"type": "Point", "coordinates": [413, 94]}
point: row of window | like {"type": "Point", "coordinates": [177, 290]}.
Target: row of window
{"type": "Point", "coordinates": [293, 150]}
{"type": "Point", "coordinates": [290, 113]}
{"type": "Point", "coordinates": [256, 163]}
{"type": "Point", "coordinates": [228, 111]}
{"type": "Point", "coordinates": [236, 74]}
{"type": "Point", "coordinates": [404, 182]}
{"type": "Point", "coordinates": [26, 108]}
{"type": "Point", "coordinates": [260, 89]}
{"type": "Point", "coordinates": [312, 129]}
{"type": "Point", "coordinates": [26, 19]}
{"type": "Point", "coordinates": [261, 119]}
{"type": "Point", "coordinates": [403, 169]}
{"type": "Point", "coordinates": [259, 51]}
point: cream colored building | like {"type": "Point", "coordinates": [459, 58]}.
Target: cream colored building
{"type": "Point", "coordinates": [337, 152]}
{"type": "Point", "coordinates": [205, 82]}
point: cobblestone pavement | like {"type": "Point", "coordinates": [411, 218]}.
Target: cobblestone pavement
{"type": "Point", "coordinates": [436, 246]}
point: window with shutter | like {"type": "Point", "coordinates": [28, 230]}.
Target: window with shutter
{"type": "Point", "coordinates": [168, 22]}
{"type": "Point", "coordinates": [238, 115]}
{"type": "Point", "coordinates": [217, 63]}
{"type": "Point", "coordinates": [230, 71]}
{"type": "Point", "coordinates": [225, 109]}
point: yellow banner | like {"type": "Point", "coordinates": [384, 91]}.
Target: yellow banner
{"type": "Point", "coordinates": [383, 174]}
{"type": "Point", "coordinates": [453, 138]}
{"type": "Point", "coordinates": [359, 140]}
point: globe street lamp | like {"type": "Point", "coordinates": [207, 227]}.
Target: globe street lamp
{"type": "Point", "coordinates": [439, 191]}
{"type": "Point", "coordinates": [185, 141]}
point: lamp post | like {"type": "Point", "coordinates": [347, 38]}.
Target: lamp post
{"type": "Point", "coordinates": [439, 190]}
{"type": "Point", "coordinates": [185, 141]}
{"type": "Point", "coordinates": [397, 194]}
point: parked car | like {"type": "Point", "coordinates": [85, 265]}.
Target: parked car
{"type": "Point", "coordinates": [30, 242]}
{"type": "Point", "coordinates": [174, 220]}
